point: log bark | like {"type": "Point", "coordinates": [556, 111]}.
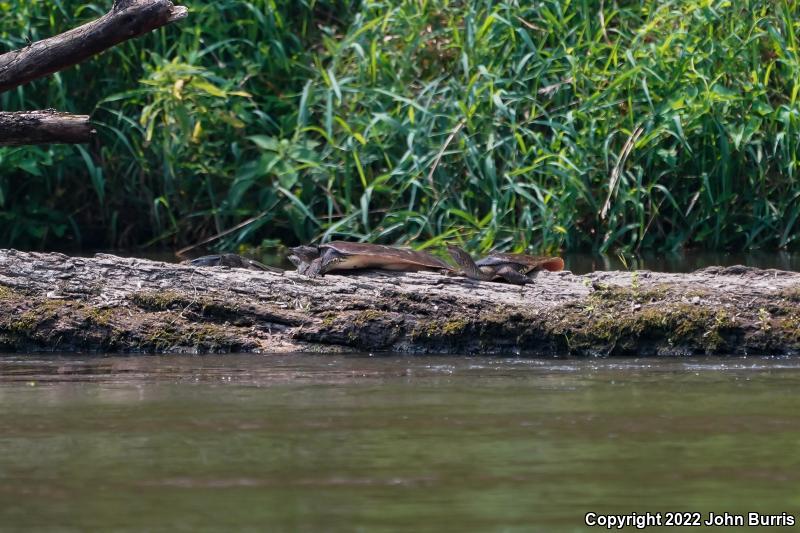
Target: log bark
{"type": "Point", "coordinates": [126, 20]}
{"type": "Point", "coordinates": [43, 127]}
{"type": "Point", "coordinates": [52, 302]}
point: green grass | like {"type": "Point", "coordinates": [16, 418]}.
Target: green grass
{"type": "Point", "coordinates": [620, 125]}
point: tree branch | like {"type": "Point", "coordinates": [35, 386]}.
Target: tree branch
{"type": "Point", "coordinates": [126, 20]}
{"type": "Point", "coordinates": [43, 127]}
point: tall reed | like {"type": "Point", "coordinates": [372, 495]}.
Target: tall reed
{"type": "Point", "coordinates": [576, 125]}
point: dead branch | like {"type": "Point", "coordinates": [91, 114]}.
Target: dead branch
{"type": "Point", "coordinates": [126, 20]}
{"type": "Point", "coordinates": [43, 127]}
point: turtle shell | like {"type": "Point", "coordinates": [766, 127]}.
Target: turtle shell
{"type": "Point", "coordinates": [532, 262]}
{"type": "Point", "coordinates": [379, 255]}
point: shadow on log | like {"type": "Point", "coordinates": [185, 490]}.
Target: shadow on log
{"type": "Point", "coordinates": [51, 302]}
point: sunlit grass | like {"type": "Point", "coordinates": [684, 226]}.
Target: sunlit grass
{"type": "Point", "coordinates": [602, 125]}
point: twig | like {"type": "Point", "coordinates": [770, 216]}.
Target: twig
{"type": "Point", "coordinates": [443, 149]}
{"type": "Point", "coordinates": [617, 171]}
{"type": "Point", "coordinates": [180, 253]}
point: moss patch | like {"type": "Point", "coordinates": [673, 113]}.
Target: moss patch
{"type": "Point", "coordinates": [7, 293]}
{"type": "Point", "coordinates": [440, 329]}
{"type": "Point", "coordinates": [202, 307]}
{"type": "Point", "coordinates": [27, 320]}
{"type": "Point", "coordinates": [171, 337]}
{"type": "Point", "coordinates": [100, 317]}
{"type": "Point", "coordinates": [49, 324]}
{"type": "Point", "coordinates": [159, 301]}
{"type": "Point", "coordinates": [638, 323]}
{"type": "Point", "coordinates": [364, 317]}
{"type": "Point", "coordinates": [791, 293]}
{"type": "Point", "coordinates": [369, 329]}
{"type": "Point", "coordinates": [615, 294]}
{"type": "Point", "coordinates": [328, 319]}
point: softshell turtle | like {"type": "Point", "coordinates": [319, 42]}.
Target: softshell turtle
{"type": "Point", "coordinates": [303, 256]}
{"type": "Point", "coordinates": [339, 255]}
{"type": "Point", "coordinates": [231, 260]}
{"type": "Point", "coordinates": [514, 268]}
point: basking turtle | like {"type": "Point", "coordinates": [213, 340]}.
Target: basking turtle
{"type": "Point", "coordinates": [231, 260]}
{"type": "Point", "coordinates": [338, 255]}
{"type": "Point", "coordinates": [514, 268]}
{"type": "Point", "coordinates": [303, 256]}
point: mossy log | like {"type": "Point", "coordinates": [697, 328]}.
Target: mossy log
{"type": "Point", "coordinates": [51, 302]}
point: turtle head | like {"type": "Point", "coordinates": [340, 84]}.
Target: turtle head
{"type": "Point", "coordinates": [302, 256]}
{"type": "Point", "coordinates": [465, 262]}
{"type": "Point", "coordinates": [303, 253]}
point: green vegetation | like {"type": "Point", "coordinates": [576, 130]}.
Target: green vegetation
{"type": "Point", "coordinates": [491, 122]}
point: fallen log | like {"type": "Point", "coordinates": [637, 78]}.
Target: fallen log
{"type": "Point", "coordinates": [43, 127]}
{"type": "Point", "coordinates": [51, 302]}
{"type": "Point", "coordinates": [126, 20]}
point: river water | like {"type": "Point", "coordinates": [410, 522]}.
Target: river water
{"type": "Point", "coordinates": [344, 443]}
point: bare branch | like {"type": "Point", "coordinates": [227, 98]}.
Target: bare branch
{"type": "Point", "coordinates": [126, 20]}
{"type": "Point", "coordinates": [43, 127]}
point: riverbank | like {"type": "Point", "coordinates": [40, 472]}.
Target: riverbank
{"type": "Point", "coordinates": [52, 302]}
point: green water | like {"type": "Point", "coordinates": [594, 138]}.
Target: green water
{"type": "Point", "coordinates": [309, 443]}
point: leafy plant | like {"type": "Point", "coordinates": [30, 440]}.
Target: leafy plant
{"type": "Point", "coordinates": [575, 125]}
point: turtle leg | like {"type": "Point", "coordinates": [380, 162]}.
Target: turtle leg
{"type": "Point", "coordinates": [322, 264]}
{"type": "Point", "coordinates": [513, 276]}
{"type": "Point", "coordinates": [302, 256]}
{"type": "Point", "coordinates": [328, 261]}
{"type": "Point", "coordinates": [532, 275]}
{"type": "Point", "coordinates": [301, 265]}
{"type": "Point", "coordinates": [467, 264]}
{"type": "Point", "coordinates": [313, 268]}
